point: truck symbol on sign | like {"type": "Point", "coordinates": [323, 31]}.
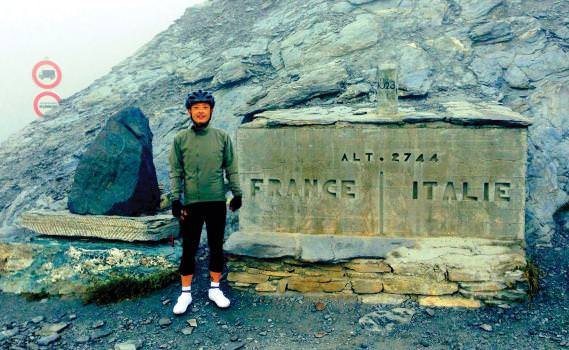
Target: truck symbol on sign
{"type": "Point", "coordinates": [47, 73]}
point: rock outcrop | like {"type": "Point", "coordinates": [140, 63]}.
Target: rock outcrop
{"type": "Point", "coordinates": [116, 174]}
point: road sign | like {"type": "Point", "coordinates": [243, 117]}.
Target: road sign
{"type": "Point", "coordinates": [45, 101]}
{"type": "Point", "coordinates": [46, 74]}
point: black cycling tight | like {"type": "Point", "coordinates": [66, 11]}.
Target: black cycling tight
{"type": "Point", "coordinates": [213, 214]}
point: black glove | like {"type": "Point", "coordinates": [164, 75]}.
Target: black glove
{"type": "Point", "coordinates": [235, 203]}
{"type": "Point", "coordinates": [177, 208]}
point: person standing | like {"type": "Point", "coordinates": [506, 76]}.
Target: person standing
{"type": "Point", "coordinates": [199, 157]}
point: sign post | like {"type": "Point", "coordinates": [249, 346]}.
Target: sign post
{"type": "Point", "coordinates": [387, 89]}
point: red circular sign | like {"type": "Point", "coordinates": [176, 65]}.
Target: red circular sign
{"type": "Point", "coordinates": [55, 68]}
{"type": "Point", "coordinates": [39, 97]}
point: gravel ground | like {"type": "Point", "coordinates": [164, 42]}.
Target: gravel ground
{"type": "Point", "coordinates": [295, 321]}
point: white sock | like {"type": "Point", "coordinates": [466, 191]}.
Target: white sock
{"type": "Point", "coordinates": [214, 284]}
{"type": "Point", "coordinates": [186, 289]}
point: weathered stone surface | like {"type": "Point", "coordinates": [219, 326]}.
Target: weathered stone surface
{"type": "Point", "coordinates": [316, 271]}
{"type": "Point", "coordinates": [334, 286]}
{"type": "Point", "coordinates": [548, 188]}
{"type": "Point", "coordinates": [416, 71]}
{"type": "Point", "coordinates": [385, 321]}
{"type": "Point", "coordinates": [474, 9]}
{"type": "Point", "coordinates": [231, 72]}
{"type": "Point", "coordinates": [466, 259]}
{"type": "Point", "coordinates": [362, 33]}
{"type": "Point", "coordinates": [315, 284]}
{"type": "Point", "coordinates": [266, 287]}
{"type": "Point", "coordinates": [78, 269]}
{"type": "Point", "coordinates": [491, 32]}
{"type": "Point", "coordinates": [463, 113]}
{"type": "Point", "coordinates": [116, 174]}
{"type": "Point", "coordinates": [303, 285]}
{"type": "Point", "coordinates": [64, 223]}
{"type": "Point", "coordinates": [277, 273]}
{"type": "Point", "coordinates": [448, 301]}
{"type": "Point", "coordinates": [359, 2]}
{"type": "Point", "coordinates": [516, 78]}
{"type": "Point", "coordinates": [419, 269]}
{"type": "Point", "coordinates": [241, 285]}
{"type": "Point", "coordinates": [363, 275]}
{"type": "Point", "coordinates": [417, 285]}
{"type": "Point", "coordinates": [490, 286]}
{"type": "Point", "coordinates": [16, 256]}
{"type": "Point", "coordinates": [384, 298]}
{"type": "Point", "coordinates": [311, 248]}
{"type": "Point", "coordinates": [282, 285]}
{"type": "Point", "coordinates": [52, 328]}
{"type": "Point", "coordinates": [44, 341]}
{"type": "Point", "coordinates": [130, 344]}
{"type": "Point", "coordinates": [366, 286]}
{"type": "Point", "coordinates": [368, 265]}
{"type": "Point", "coordinates": [320, 80]}
{"type": "Point", "coordinates": [509, 295]}
{"type": "Point", "coordinates": [261, 245]}
{"type": "Point", "coordinates": [381, 181]}
{"type": "Point", "coordinates": [244, 277]}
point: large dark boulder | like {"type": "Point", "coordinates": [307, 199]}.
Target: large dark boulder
{"type": "Point", "coordinates": [116, 174]}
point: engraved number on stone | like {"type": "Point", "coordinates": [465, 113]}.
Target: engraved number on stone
{"type": "Point", "coordinates": [387, 84]}
{"type": "Point", "coordinates": [407, 156]}
{"type": "Point", "coordinates": [395, 157]}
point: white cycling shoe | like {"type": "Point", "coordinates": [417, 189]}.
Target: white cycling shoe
{"type": "Point", "coordinates": [184, 300]}
{"type": "Point", "coordinates": [216, 295]}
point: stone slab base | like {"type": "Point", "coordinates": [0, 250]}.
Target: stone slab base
{"type": "Point", "coordinates": [88, 270]}
{"type": "Point", "coordinates": [64, 223]}
{"type": "Point", "coordinates": [445, 272]}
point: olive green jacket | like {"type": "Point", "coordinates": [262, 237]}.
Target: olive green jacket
{"type": "Point", "coordinates": [197, 160]}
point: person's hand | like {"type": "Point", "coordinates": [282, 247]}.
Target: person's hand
{"type": "Point", "coordinates": [235, 203]}
{"type": "Point", "coordinates": [177, 208]}
{"type": "Point", "coordinates": [185, 213]}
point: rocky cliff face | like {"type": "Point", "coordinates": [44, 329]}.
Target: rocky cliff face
{"type": "Point", "coordinates": [258, 55]}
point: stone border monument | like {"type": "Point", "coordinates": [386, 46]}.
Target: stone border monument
{"type": "Point", "coordinates": [348, 201]}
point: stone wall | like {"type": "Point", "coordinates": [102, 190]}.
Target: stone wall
{"type": "Point", "coordinates": [436, 272]}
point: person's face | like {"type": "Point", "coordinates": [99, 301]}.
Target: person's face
{"type": "Point", "coordinates": [200, 113]}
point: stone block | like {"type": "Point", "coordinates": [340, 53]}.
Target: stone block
{"type": "Point", "coordinates": [281, 286]}
{"type": "Point", "coordinates": [417, 285]}
{"type": "Point", "coordinates": [266, 287]}
{"type": "Point", "coordinates": [384, 298]}
{"type": "Point", "coordinates": [303, 286]}
{"type": "Point", "coordinates": [448, 301]}
{"type": "Point", "coordinates": [245, 277]}
{"type": "Point", "coordinates": [363, 275]}
{"type": "Point", "coordinates": [368, 265]}
{"type": "Point", "coordinates": [116, 173]}
{"type": "Point", "coordinates": [490, 286]}
{"type": "Point", "coordinates": [378, 177]}
{"type": "Point", "coordinates": [113, 227]}
{"type": "Point", "coordinates": [366, 286]}
{"type": "Point", "coordinates": [315, 284]}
